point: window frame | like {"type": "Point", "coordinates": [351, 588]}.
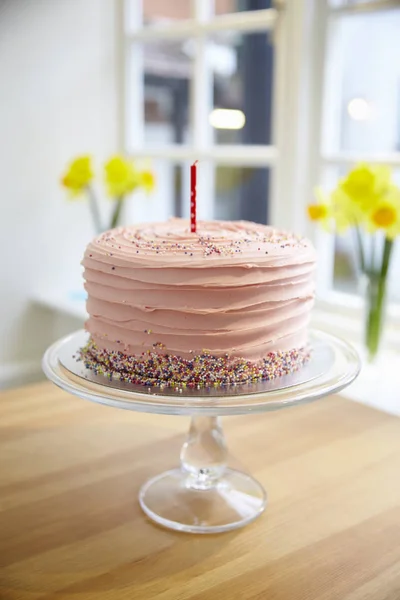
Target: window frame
{"type": "Point", "coordinates": [299, 31]}
{"type": "Point", "coordinates": [340, 310]}
{"type": "Point", "coordinates": [202, 24]}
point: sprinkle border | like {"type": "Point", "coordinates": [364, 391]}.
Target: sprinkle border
{"type": "Point", "coordinates": [202, 370]}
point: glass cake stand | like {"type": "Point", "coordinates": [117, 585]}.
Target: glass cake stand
{"type": "Point", "coordinates": [203, 495]}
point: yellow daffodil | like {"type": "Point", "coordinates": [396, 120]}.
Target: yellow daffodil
{"type": "Point", "coordinates": [369, 202]}
{"type": "Point", "coordinates": [385, 215]}
{"type": "Point", "coordinates": [328, 211]}
{"type": "Point", "coordinates": [345, 212]}
{"type": "Point", "coordinates": [318, 212]}
{"type": "Point", "coordinates": [121, 176]}
{"type": "Point", "coordinates": [365, 184]}
{"type": "Point", "coordinates": [147, 180]}
{"type": "Point", "coordinates": [78, 175]}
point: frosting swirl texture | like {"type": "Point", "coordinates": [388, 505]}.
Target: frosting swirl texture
{"type": "Point", "coordinates": [232, 288]}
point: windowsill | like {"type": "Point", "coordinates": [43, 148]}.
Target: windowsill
{"type": "Point", "coordinates": [343, 314]}
{"type": "Point", "coordinates": [378, 385]}
{"type": "Point", "coordinates": [71, 303]}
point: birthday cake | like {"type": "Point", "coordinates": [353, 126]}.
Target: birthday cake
{"type": "Point", "coordinates": [225, 305]}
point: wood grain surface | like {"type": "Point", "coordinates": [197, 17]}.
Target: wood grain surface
{"type": "Point", "coordinates": [71, 526]}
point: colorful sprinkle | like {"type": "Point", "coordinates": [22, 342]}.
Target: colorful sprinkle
{"type": "Point", "coordinates": [204, 370]}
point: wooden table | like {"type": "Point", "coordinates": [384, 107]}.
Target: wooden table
{"type": "Point", "coordinates": [71, 526]}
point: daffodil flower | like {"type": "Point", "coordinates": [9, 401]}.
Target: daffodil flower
{"type": "Point", "coordinates": [147, 180]}
{"type": "Point", "coordinates": [121, 177]}
{"type": "Point", "coordinates": [385, 215]}
{"type": "Point", "coordinates": [318, 212]}
{"type": "Point", "coordinates": [78, 176]}
{"type": "Point", "coordinates": [365, 184]}
{"type": "Point", "coordinates": [367, 201]}
{"type": "Point", "coordinates": [330, 211]}
{"type": "Point", "coordinates": [346, 212]}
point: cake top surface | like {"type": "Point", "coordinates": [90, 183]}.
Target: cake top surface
{"type": "Point", "coordinates": [171, 243]}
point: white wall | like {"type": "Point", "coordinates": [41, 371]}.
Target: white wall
{"type": "Point", "coordinates": [58, 98]}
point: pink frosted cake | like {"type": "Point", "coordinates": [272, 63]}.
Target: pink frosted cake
{"type": "Point", "coordinates": [228, 304]}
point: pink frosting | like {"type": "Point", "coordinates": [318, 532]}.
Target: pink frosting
{"type": "Point", "coordinates": [234, 288]}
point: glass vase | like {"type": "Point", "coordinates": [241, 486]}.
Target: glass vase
{"type": "Point", "coordinates": [374, 289]}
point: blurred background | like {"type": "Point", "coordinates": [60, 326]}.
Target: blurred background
{"type": "Point", "coordinates": [273, 98]}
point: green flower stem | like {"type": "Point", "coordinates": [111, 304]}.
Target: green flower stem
{"type": "Point", "coordinates": [376, 294]}
{"type": "Point", "coordinates": [387, 251]}
{"type": "Point", "coordinates": [94, 209]}
{"type": "Point", "coordinates": [117, 212]}
{"type": "Point", "coordinates": [360, 245]}
{"type": "Point", "coordinates": [374, 243]}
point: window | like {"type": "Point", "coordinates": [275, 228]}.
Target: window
{"type": "Point", "coordinates": [272, 98]}
{"type": "Point", "coordinates": [199, 86]}
{"type": "Point", "coordinates": [360, 121]}
{"type": "Point", "coordinates": [362, 107]}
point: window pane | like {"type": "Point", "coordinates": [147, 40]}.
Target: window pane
{"type": "Point", "coordinates": [363, 94]}
{"type": "Point", "coordinates": [171, 197]}
{"type": "Point", "coordinates": [236, 193]}
{"type": "Point", "coordinates": [240, 193]}
{"type": "Point", "coordinates": [161, 11]}
{"type": "Point", "coordinates": [167, 72]}
{"type": "Point", "coordinates": [229, 6]}
{"type": "Point", "coordinates": [161, 203]}
{"type": "Point", "coordinates": [346, 272]}
{"type": "Point", "coordinates": [232, 193]}
{"type": "Point", "coordinates": [242, 74]}
{"type": "Point", "coordinates": [395, 272]}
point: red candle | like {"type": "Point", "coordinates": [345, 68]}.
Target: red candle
{"type": "Point", "coordinates": [193, 196]}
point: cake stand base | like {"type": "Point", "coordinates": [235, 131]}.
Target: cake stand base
{"type": "Point", "coordinates": [171, 500]}
{"type": "Point", "coordinates": [204, 495]}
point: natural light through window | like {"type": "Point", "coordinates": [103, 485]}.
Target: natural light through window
{"type": "Point", "coordinates": [224, 118]}
{"type": "Point", "coordinates": [359, 109]}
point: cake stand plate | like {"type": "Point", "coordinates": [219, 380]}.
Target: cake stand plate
{"type": "Point", "coordinates": [204, 495]}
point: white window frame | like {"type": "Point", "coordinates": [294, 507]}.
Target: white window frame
{"type": "Point", "coordinates": [299, 30]}
{"type": "Point", "coordinates": [295, 49]}
{"type": "Point", "coordinates": [198, 27]}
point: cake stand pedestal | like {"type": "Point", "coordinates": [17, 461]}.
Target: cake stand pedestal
{"type": "Point", "coordinates": [203, 495]}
